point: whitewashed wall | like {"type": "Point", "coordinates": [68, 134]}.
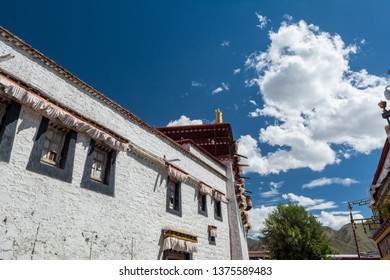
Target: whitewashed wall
{"type": "Point", "coordinates": [44, 218]}
{"type": "Point", "coordinates": [65, 92]}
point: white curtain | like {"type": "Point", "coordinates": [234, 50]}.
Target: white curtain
{"type": "Point", "coordinates": [220, 196]}
{"type": "Point", "coordinates": [53, 112]}
{"type": "Point", "coordinates": [213, 232]}
{"type": "Point", "coordinates": [177, 174]}
{"type": "Point", "coordinates": [205, 190]}
{"type": "Point", "coordinates": [173, 243]}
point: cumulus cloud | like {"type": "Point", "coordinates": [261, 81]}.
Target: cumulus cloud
{"type": "Point", "coordinates": [253, 102]}
{"type": "Point", "coordinates": [183, 120]}
{"type": "Point", "coordinates": [336, 219]}
{"type": "Point", "coordinates": [257, 217]}
{"type": "Point", "coordinates": [329, 181]}
{"type": "Point", "coordinates": [333, 219]}
{"type": "Point", "coordinates": [316, 100]}
{"type": "Point", "coordinates": [309, 203]}
{"type": "Point", "coordinates": [262, 21]}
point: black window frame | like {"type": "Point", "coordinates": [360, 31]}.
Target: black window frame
{"type": "Point", "coordinates": [188, 256]}
{"type": "Point", "coordinates": [8, 126]}
{"type": "Point", "coordinates": [177, 197]}
{"type": "Point", "coordinates": [218, 210]}
{"type": "Point", "coordinates": [107, 186]}
{"type": "Point", "coordinates": [64, 169]}
{"type": "Point", "coordinates": [202, 204]}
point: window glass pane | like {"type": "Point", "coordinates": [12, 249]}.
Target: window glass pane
{"type": "Point", "coordinates": [203, 202]}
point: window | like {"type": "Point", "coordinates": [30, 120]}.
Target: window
{"type": "Point", "coordinates": [173, 197]}
{"type": "Point", "coordinates": [53, 151]}
{"type": "Point", "coordinates": [99, 164]}
{"type": "Point", "coordinates": [218, 210]}
{"type": "Point", "coordinates": [9, 115]}
{"type": "Point", "coordinates": [202, 204]}
{"type": "Point", "coordinates": [99, 169]}
{"type": "Point", "coordinates": [3, 107]}
{"type": "Point", "coordinates": [212, 235]}
{"type": "Point", "coordinates": [176, 255]}
{"type": "Point", "coordinates": [53, 144]}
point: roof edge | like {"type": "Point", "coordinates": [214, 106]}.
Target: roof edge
{"type": "Point", "coordinates": [19, 43]}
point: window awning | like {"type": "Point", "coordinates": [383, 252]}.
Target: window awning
{"type": "Point", "coordinates": [177, 174]}
{"type": "Point", "coordinates": [205, 189]}
{"type": "Point", "coordinates": [179, 240]}
{"type": "Point", "coordinates": [220, 196]}
{"type": "Point", "coordinates": [54, 112]}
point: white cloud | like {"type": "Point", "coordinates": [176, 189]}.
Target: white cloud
{"type": "Point", "coordinates": [257, 217]}
{"type": "Point", "coordinates": [336, 219]}
{"type": "Point", "coordinates": [329, 181]}
{"type": "Point", "coordinates": [217, 90]}
{"type": "Point", "coordinates": [236, 71]}
{"type": "Point", "coordinates": [256, 113]}
{"type": "Point", "coordinates": [319, 103]}
{"type": "Point", "coordinates": [196, 84]}
{"type": "Point", "coordinates": [262, 21]}
{"type": "Point", "coordinates": [274, 190]}
{"type": "Point", "coordinates": [333, 219]}
{"type": "Point", "coordinates": [183, 120]}
{"type": "Point", "coordinates": [225, 86]}
{"type": "Point", "coordinates": [253, 102]}
{"type": "Point", "coordinates": [309, 203]}
{"type": "Point", "coordinates": [288, 17]}
{"type": "Point", "coordinates": [225, 43]}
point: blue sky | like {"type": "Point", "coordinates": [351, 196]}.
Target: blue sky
{"type": "Point", "coordinates": [299, 81]}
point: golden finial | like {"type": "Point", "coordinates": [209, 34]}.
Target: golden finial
{"type": "Point", "coordinates": [218, 116]}
{"type": "Point", "coordinates": [382, 105]}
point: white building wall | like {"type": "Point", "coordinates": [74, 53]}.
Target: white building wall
{"type": "Point", "coordinates": [45, 218]}
{"type": "Point", "coordinates": [24, 66]}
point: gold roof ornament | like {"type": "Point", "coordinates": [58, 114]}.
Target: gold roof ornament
{"type": "Point", "coordinates": [382, 105]}
{"type": "Point", "coordinates": [218, 116]}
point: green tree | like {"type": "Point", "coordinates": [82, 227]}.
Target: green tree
{"type": "Point", "coordinates": [291, 233]}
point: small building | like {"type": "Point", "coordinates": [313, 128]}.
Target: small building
{"type": "Point", "coordinates": [84, 178]}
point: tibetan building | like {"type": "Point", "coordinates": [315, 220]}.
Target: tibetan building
{"type": "Point", "coordinates": [84, 178]}
{"type": "Point", "coordinates": [217, 141]}
{"type": "Point", "coordinates": [380, 202]}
